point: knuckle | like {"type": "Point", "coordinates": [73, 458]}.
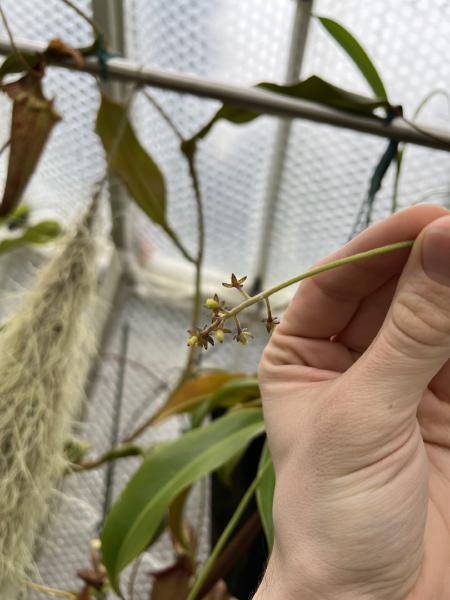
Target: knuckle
{"type": "Point", "coordinates": [266, 364]}
{"type": "Point", "coordinates": [419, 320]}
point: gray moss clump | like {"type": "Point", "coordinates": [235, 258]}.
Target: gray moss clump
{"type": "Point", "coordinates": [44, 349]}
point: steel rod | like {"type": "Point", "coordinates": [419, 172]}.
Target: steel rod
{"type": "Point", "coordinates": [109, 16]}
{"type": "Point", "coordinates": [249, 98]}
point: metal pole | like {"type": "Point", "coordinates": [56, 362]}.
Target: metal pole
{"type": "Point", "coordinates": [109, 15]}
{"type": "Point", "coordinates": [299, 37]}
{"type": "Point", "coordinates": [249, 98]}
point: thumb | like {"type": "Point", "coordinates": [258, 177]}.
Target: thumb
{"type": "Point", "coordinates": [414, 341]}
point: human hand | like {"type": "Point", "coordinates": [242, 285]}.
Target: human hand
{"type": "Point", "coordinates": [356, 395]}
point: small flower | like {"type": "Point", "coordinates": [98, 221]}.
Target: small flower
{"type": "Point", "coordinates": [271, 323]}
{"type": "Point", "coordinates": [200, 337]}
{"type": "Point", "coordinates": [220, 335]}
{"type": "Point", "coordinates": [192, 341]}
{"type": "Point", "coordinates": [243, 336]}
{"type": "Point", "coordinates": [212, 303]}
{"type": "Point", "coordinates": [205, 339]}
{"type": "Point", "coordinates": [235, 282]}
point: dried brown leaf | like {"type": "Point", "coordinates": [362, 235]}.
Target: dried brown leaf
{"type": "Point", "coordinates": [33, 118]}
{"type": "Point", "coordinates": [58, 47]}
{"type": "Point", "coordinates": [193, 392]}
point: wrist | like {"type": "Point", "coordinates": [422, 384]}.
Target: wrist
{"type": "Point", "coordinates": [283, 582]}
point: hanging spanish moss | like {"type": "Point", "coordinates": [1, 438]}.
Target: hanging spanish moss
{"type": "Point", "coordinates": [44, 349]}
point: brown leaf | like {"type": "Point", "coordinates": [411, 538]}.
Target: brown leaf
{"type": "Point", "coordinates": [192, 392]}
{"type": "Point", "coordinates": [183, 536]}
{"type": "Point", "coordinates": [58, 47]}
{"type": "Point", "coordinates": [85, 594]}
{"type": "Point", "coordinates": [93, 578]}
{"type": "Point", "coordinates": [33, 118]}
{"type": "Point", "coordinates": [219, 592]}
{"type": "Point", "coordinates": [173, 582]}
{"type": "Point", "coordinates": [130, 162]}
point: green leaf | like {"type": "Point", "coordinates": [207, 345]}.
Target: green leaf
{"type": "Point", "coordinates": [231, 393]}
{"type": "Point", "coordinates": [135, 168]}
{"type": "Point", "coordinates": [225, 472]}
{"type": "Point", "coordinates": [17, 218]}
{"type": "Point", "coordinates": [41, 233]}
{"type": "Point", "coordinates": [133, 521]}
{"type": "Point", "coordinates": [12, 63]}
{"type": "Point", "coordinates": [401, 152]}
{"type": "Point", "coordinates": [314, 88]}
{"type": "Point", "coordinates": [264, 496]}
{"type": "Point", "coordinates": [423, 103]}
{"type": "Point", "coordinates": [130, 162]}
{"type": "Point", "coordinates": [193, 392]}
{"type": "Point", "coordinates": [358, 55]}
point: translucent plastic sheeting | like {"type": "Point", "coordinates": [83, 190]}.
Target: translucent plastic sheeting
{"type": "Point", "coordinates": [327, 170]}
{"type": "Point", "coordinates": [323, 184]}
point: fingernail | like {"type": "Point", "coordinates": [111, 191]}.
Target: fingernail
{"type": "Point", "coordinates": [436, 251]}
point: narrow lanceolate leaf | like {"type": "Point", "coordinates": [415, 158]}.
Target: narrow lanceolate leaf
{"type": "Point", "coordinates": [33, 119]}
{"type": "Point", "coordinates": [130, 162]}
{"type": "Point", "coordinates": [192, 392]}
{"type": "Point", "coordinates": [357, 54]}
{"type": "Point", "coordinates": [264, 496]}
{"type": "Point", "coordinates": [236, 391]}
{"type": "Point", "coordinates": [315, 89]}
{"type": "Point", "coordinates": [41, 233]}
{"type": "Point", "coordinates": [134, 520]}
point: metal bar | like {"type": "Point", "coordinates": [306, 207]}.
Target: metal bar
{"type": "Point", "coordinates": [249, 98]}
{"type": "Point", "coordinates": [109, 16]}
{"type": "Point", "coordinates": [116, 416]}
{"type": "Point", "coordinates": [300, 27]}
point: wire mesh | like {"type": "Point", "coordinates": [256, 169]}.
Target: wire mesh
{"type": "Point", "coordinates": [327, 170]}
{"type": "Point", "coordinates": [73, 160]}
{"type": "Point", "coordinates": [324, 182]}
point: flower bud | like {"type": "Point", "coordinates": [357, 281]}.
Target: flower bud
{"type": "Point", "coordinates": [212, 304]}
{"type": "Point", "coordinates": [193, 341]}
{"type": "Point", "coordinates": [220, 334]}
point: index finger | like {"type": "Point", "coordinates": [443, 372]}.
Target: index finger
{"type": "Point", "coordinates": [325, 304]}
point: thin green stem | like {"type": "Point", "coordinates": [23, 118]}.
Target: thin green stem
{"type": "Point", "coordinates": [51, 591]}
{"type": "Point", "coordinates": [84, 16]}
{"type": "Point", "coordinates": [232, 523]}
{"type": "Point", "coordinates": [178, 134]}
{"type": "Point", "coordinates": [180, 246]}
{"type": "Point", "coordinates": [196, 311]}
{"type": "Point", "coordinates": [124, 450]}
{"type": "Point", "coordinates": [164, 115]}
{"type": "Point", "coordinates": [327, 267]}
{"type": "Point", "coordinates": [15, 49]}
{"type": "Point", "coordinates": [398, 170]}
{"type": "Point", "coordinates": [198, 261]}
{"type": "Point", "coordinates": [401, 153]}
{"type": "Point", "coordinates": [5, 146]}
{"type": "Point", "coordinates": [227, 314]}
{"type": "Point", "coordinates": [428, 97]}
{"type": "Point", "coordinates": [244, 293]}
